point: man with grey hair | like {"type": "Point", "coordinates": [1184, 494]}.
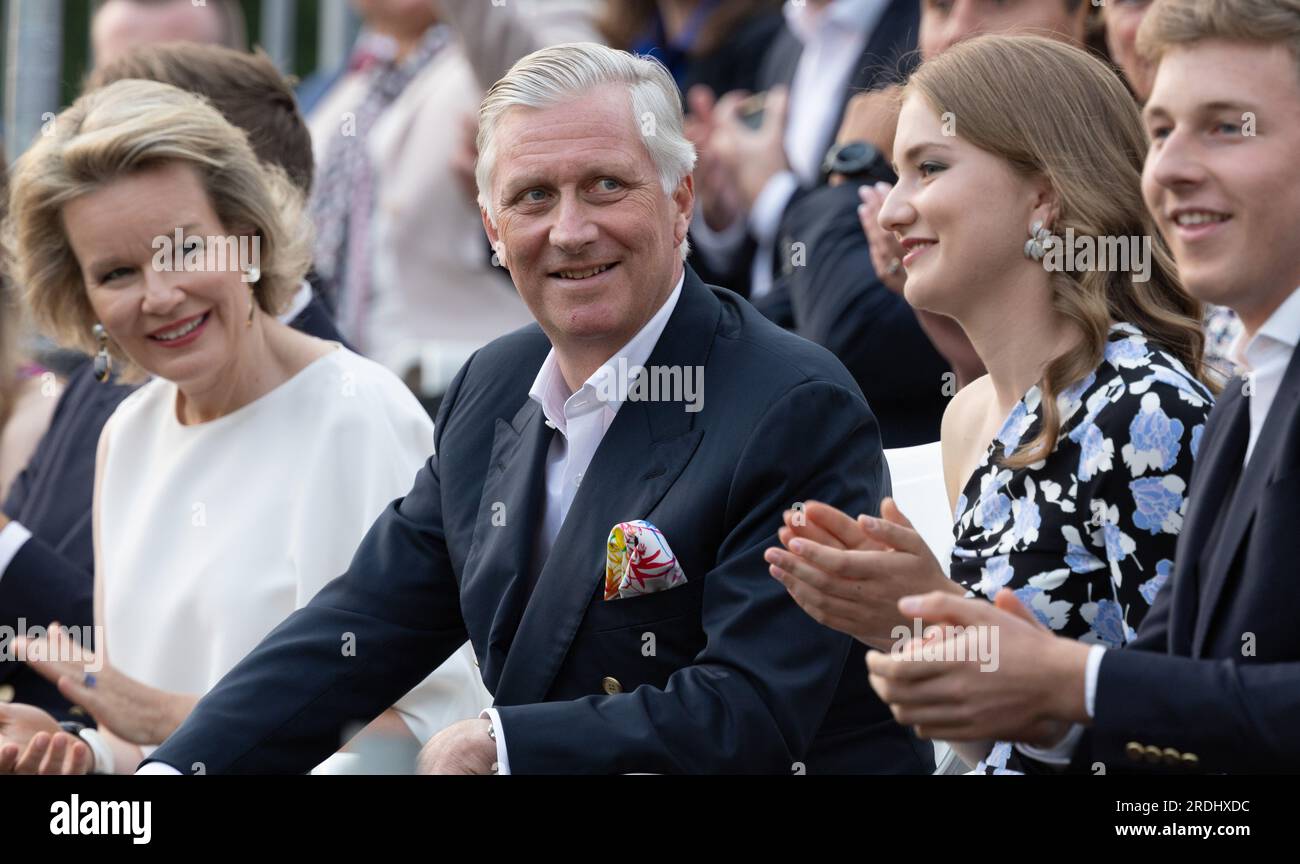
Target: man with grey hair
{"type": "Point", "coordinates": [601, 544]}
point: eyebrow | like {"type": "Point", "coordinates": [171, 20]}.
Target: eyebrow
{"type": "Point", "coordinates": [1152, 110]}
{"type": "Point", "coordinates": [916, 149]}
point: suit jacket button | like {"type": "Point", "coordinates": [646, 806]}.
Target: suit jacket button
{"type": "Point", "coordinates": [1191, 760]}
{"type": "Point", "coordinates": [1173, 757]}
{"type": "Point", "coordinates": [7, 693]}
{"type": "Point", "coordinates": [611, 685]}
{"type": "Point", "coordinates": [1133, 750]}
{"type": "Point", "coordinates": [1153, 753]}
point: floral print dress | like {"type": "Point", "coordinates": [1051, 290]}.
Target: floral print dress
{"type": "Point", "coordinates": [1085, 537]}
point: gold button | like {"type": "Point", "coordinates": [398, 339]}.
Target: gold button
{"type": "Point", "coordinates": [611, 685]}
{"type": "Point", "coordinates": [6, 693]}
{"type": "Point", "coordinates": [1133, 750]}
{"type": "Point", "coordinates": [77, 711]}
{"type": "Point", "coordinates": [1153, 753]}
{"type": "Point", "coordinates": [1191, 760]}
{"type": "Point", "coordinates": [1172, 756]}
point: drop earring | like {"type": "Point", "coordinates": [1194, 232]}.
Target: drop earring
{"type": "Point", "coordinates": [103, 360]}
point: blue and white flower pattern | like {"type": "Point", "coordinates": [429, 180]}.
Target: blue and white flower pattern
{"type": "Point", "coordinates": [1086, 537]}
{"type": "Point", "coordinates": [1083, 535]}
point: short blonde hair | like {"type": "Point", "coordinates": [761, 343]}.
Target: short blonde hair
{"type": "Point", "coordinates": [1173, 23]}
{"type": "Point", "coordinates": [111, 133]}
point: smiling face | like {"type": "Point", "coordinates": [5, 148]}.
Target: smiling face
{"type": "Point", "coordinates": [1226, 196]}
{"type": "Point", "coordinates": [186, 327]}
{"type": "Point", "coordinates": [961, 213]}
{"type": "Point", "coordinates": [582, 219]}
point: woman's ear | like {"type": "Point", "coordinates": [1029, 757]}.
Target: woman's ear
{"type": "Point", "coordinates": [1046, 205]}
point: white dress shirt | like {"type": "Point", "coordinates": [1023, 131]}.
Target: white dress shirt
{"type": "Point", "coordinates": [581, 418]}
{"type": "Point", "coordinates": [15, 534]}
{"type": "Point", "coordinates": [833, 38]}
{"type": "Point", "coordinates": [1263, 359]}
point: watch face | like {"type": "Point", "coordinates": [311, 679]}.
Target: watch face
{"type": "Point", "coordinates": [851, 158]}
{"type": "Point", "coordinates": [856, 152]}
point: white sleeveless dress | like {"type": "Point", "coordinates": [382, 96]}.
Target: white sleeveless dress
{"type": "Point", "coordinates": [211, 534]}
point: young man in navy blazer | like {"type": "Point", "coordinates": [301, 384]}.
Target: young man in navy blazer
{"type": "Point", "coordinates": [1212, 681]}
{"type": "Point", "coordinates": [546, 441]}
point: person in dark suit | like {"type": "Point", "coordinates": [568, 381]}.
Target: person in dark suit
{"type": "Point", "coordinates": [827, 51]}
{"type": "Point", "coordinates": [1212, 681]}
{"type": "Point", "coordinates": [599, 544]}
{"type": "Point", "coordinates": [47, 564]}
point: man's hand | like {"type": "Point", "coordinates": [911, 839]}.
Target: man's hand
{"type": "Point", "coordinates": [752, 156]}
{"type": "Point", "coordinates": [715, 184]}
{"type": "Point", "coordinates": [1031, 691]}
{"type": "Point", "coordinates": [462, 748]}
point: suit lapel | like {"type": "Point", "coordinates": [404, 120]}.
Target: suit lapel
{"type": "Point", "coordinates": [1241, 508]}
{"type": "Point", "coordinates": [638, 460]}
{"type": "Point", "coordinates": [496, 569]}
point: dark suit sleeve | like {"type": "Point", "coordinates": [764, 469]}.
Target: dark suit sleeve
{"type": "Point", "coordinates": [1233, 717]}
{"type": "Point", "coordinates": [756, 695]}
{"type": "Point", "coordinates": [839, 303]}
{"type": "Point", "coordinates": [284, 707]}
{"type": "Point", "coordinates": [43, 586]}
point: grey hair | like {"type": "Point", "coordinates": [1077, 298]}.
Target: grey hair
{"type": "Point", "coordinates": [561, 72]}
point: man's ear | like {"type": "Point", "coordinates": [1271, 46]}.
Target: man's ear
{"type": "Point", "coordinates": [494, 237]}
{"type": "Point", "coordinates": [684, 201]}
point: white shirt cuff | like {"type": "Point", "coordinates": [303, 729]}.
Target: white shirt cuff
{"type": "Point", "coordinates": [12, 538]}
{"type": "Point", "coordinates": [1059, 753]}
{"type": "Point", "coordinates": [1090, 673]}
{"type": "Point", "coordinates": [503, 758]}
{"type": "Point", "coordinates": [157, 768]}
{"type": "Point", "coordinates": [769, 206]}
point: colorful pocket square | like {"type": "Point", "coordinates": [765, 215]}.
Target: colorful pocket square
{"type": "Point", "coordinates": [638, 561]}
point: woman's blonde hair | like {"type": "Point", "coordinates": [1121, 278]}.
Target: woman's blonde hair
{"type": "Point", "coordinates": [111, 133]}
{"type": "Point", "coordinates": [1053, 111]}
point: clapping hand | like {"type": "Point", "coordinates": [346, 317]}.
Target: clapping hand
{"type": "Point", "coordinates": [849, 574]}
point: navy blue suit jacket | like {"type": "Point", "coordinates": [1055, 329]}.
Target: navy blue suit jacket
{"type": "Point", "coordinates": [1215, 671]}
{"type": "Point", "coordinates": [51, 578]}
{"type": "Point", "coordinates": [722, 674]}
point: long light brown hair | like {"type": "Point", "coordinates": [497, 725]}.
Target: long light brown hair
{"type": "Point", "coordinates": [1053, 111]}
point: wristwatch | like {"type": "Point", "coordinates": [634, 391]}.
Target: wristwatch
{"type": "Point", "coordinates": [859, 162]}
{"type": "Point", "coordinates": [103, 756]}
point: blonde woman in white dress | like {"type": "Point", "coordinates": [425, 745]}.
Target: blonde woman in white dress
{"type": "Point", "coordinates": [237, 482]}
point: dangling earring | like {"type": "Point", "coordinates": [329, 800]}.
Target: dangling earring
{"type": "Point", "coordinates": [251, 276]}
{"type": "Point", "coordinates": [103, 361]}
{"type": "Point", "coordinates": [1040, 240]}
